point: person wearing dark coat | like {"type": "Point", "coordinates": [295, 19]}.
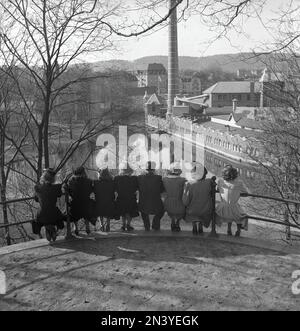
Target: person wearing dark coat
{"type": "Point", "coordinates": [150, 201]}
{"type": "Point", "coordinates": [104, 190]}
{"type": "Point", "coordinates": [80, 188]}
{"type": "Point", "coordinates": [126, 187]}
{"type": "Point", "coordinates": [48, 215]}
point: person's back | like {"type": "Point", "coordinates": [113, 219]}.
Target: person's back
{"type": "Point", "coordinates": [104, 190]}
{"type": "Point", "coordinates": [150, 201]}
{"type": "Point", "coordinates": [47, 195]}
{"type": "Point", "coordinates": [174, 187]}
{"type": "Point", "coordinates": [80, 188]}
{"type": "Point", "coordinates": [198, 200]}
{"type": "Point", "coordinates": [126, 188]}
{"type": "Point", "coordinates": [150, 189]}
{"type": "Point", "coordinates": [229, 210]}
{"type": "Point", "coordinates": [231, 191]}
{"type": "Point", "coordinates": [48, 215]}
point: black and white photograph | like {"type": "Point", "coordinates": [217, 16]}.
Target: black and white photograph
{"type": "Point", "coordinates": [149, 158]}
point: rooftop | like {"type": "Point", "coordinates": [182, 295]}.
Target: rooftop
{"type": "Point", "coordinates": [232, 88]}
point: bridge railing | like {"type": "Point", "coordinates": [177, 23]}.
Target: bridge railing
{"type": "Point", "coordinates": [285, 223]}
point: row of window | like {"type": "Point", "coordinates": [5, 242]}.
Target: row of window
{"type": "Point", "coordinates": [230, 97]}
{"type": "Point", "coordinates": [224, 144]}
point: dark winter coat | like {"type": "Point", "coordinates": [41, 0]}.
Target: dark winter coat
{"type": "Point", "coordinates": [105, 198]}
{"type": "Point", "coordinates": [150, 189]}
{"type": "Point", "coordinates": [126, 188]}
{"type": "Point", "coordinates": [48, 213]}
{"type": "Point", "coordinates": [81, 206]}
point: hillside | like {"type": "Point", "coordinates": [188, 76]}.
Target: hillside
{"type": "Point", "coordinates": [227, 62]}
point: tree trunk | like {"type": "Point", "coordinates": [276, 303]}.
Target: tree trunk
{"type": "Point", "coordinates": [46, 139]}
{"type": "Point", "coordinates": [3, 186]}
{"type": "Point", "coordinates": [40, 153]}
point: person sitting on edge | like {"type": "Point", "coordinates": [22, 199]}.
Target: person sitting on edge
{"type": "Point", "coordinates": [105, 199]}
{"type": "Point", "coordinates": [229, 210]}
{"type": "Point", "coordinates": [80, 188]}
{"type": "Point", "coordinates": [197, 198]}
{"type": "Point", "coordinates": [126, 186]}
{"type": "Point", "coordinates": [174, 187]}
{"type": "Point", "coordinates": [150, 201]}
{"type": "Point", "coordinates": [48, 215]}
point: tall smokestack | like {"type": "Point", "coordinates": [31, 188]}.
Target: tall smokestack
{"type": "Point", "coordinates": [173, 67]}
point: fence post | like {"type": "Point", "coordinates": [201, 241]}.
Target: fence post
{"type": "Point", "coordinates": [69, 235]}
{"type": "Point", "coordinates": [287, 222]}
{"type": "Point", "coordinates": [213, 233]}
{"type": "Point", "coordinates": [5, 220]}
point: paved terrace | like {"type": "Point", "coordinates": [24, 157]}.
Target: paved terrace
{"type": "Point", "coordinates": [150, 271]}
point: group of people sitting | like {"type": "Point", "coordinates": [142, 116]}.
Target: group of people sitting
{"type": "Point", "coordinates": [126, 197]}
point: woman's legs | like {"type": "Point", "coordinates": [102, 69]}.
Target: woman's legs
{"type": "Point", "coordinates": [102, 227]}
{"type": "Point", "coordinates": [123, 223]}
{"type": "Point", "coordinates": [128, 225]}
{"type": "Point", "coordinates": [239, 230]}
{"type": "Point", "coordinates": [107, 227]}
{"type": "Point", "coordinates": [200, 228]}
{"type": "Point", "coordinates": [195, 230]}
{"type": "Point", "coordinates": [76, 228]}
{"type": "Point", "coordinates": [178, 228]}
{"type": "Point", "coordinates": [173, 224]}
{"type": "Point", "coordinates": [229, 230]}
{"type": "Point", "coordinates": [87, 226]}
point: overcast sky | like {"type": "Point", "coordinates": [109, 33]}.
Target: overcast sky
{"type": "Point", "coordinates": [194, 39]}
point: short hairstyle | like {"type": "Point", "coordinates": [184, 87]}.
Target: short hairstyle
{"type": "Point", "coordinates": [229, 173]}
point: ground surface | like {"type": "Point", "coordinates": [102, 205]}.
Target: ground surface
{"type": "Point", "coordinates": [157, 272]}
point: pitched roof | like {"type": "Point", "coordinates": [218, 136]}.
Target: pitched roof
{"type": "Point", "coordinates": [232, 87]}
{"type": "Point", "coordinates": [156, 67]}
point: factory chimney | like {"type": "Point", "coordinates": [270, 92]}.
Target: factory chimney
{"type": "Point", "coordinates": [173, 66]}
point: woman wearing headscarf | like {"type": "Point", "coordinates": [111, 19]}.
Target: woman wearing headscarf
{"type": "Point", "coordinates": [126, 186]}
{"type": "Point", "coordinates": [104, 190]}
{"type": "Point", "coordinates": [174, 187]}
{"type": "Point", "coordinates": [197, 198]}
{"type": "Point", "coordinates": [48, 215]}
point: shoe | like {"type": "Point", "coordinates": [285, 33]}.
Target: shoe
{"type": "Point", "coordinates": [130, 228]}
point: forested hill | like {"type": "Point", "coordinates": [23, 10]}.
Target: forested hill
{"type": "Point", "coordinates": [227, 62]}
